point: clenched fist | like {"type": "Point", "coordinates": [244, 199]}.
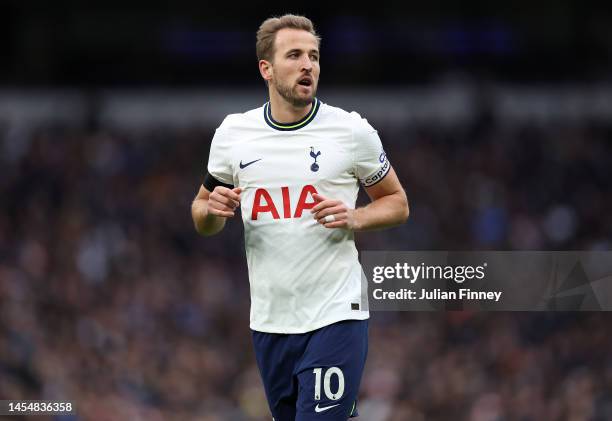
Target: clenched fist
{"type": "Point", "coordinates": [223, 201]}
{"type": "Point", "coordinates": [332, 213]}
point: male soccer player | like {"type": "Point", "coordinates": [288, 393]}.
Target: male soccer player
{"type": "Point", "coordinates": [294, 166]}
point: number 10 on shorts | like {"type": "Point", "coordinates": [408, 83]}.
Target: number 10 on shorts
{"type": "Point", "coordinates": [334, 396]}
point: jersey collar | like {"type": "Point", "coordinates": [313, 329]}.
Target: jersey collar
{"type": "Point", "coordinates": [291, 126]}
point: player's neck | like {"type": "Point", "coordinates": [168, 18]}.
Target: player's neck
{"type": "Point", "coordinates": [284, 112]}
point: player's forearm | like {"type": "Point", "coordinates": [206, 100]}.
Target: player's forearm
{"type": "Point", "coordinates": [384, 212]}
{"type": "Point", "coordinates": [205, 223]}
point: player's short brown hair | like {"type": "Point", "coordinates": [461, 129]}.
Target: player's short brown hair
{"type": "Point", "coordinates": [268, 29]}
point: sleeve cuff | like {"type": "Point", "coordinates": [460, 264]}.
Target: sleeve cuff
{"type": "Point", "coordinates": [378, 176]}
{"type": "Point", "coordinates": [211, 182]}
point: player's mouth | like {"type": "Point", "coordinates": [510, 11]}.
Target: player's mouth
{"type": "Point", "coordinates": [305, 81]}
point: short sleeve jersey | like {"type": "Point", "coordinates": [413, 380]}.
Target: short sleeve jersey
{"type": "Point", "coordinates": [302, 275]}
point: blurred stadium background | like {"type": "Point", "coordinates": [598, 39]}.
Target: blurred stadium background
{"type": "Point", "coordinates": [497, 118]}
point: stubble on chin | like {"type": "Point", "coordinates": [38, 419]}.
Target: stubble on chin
{"type": "Point", "coordinates": [292, 97]}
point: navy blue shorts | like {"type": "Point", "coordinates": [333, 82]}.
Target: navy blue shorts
{"type": "Point", "coordinates": [314, 375]}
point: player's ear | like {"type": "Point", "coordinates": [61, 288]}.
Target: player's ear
{"type": "Point", "coordinates": [265, 68]}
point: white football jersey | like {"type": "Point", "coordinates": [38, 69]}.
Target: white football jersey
{"type": "Point", "coordinates": [302, 275]}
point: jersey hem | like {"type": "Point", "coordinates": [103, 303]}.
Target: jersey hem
{"type": "Point", "coordinates": [311, 328]}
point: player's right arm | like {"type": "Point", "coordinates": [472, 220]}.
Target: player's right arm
{"type": "Point", "coordinates": [217, 199]}
{"type": "Point", "coordinates": [210, 210]}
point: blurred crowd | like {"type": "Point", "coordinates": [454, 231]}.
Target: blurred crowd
{"type": "Point", "coordinates": [109, 299]}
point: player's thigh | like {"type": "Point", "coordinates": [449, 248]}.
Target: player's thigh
{"type": "Point", "coordinates": [330, 373]}
{"type": "Point", "coordinates": [276, 366]}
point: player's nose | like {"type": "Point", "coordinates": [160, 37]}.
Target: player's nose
{"type": "Point", "coordinates": [307, 64]}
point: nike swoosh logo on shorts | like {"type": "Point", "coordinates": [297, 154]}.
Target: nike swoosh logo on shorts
{"type": "Point", "coordinates": [325, 408]}
{"type": "Point", "coordinates": [242, 166]}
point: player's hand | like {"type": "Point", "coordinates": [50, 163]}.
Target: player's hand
{"type": "Point", "coordinates": [343, 215]}
{"type": "Point", "coordinates": [223, 201]}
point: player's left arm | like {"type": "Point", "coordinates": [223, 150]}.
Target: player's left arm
{"type": "Point", "coordinates": [388, 207]}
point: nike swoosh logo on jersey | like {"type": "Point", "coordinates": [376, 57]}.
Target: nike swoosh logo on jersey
{"type": "Point", "coordinates": [242, 166]}
{"type": "Point", "coordinates": [325, 408]}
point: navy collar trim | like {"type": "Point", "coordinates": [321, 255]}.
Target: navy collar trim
{"type": "Point", "coordinates": [291, 126]}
